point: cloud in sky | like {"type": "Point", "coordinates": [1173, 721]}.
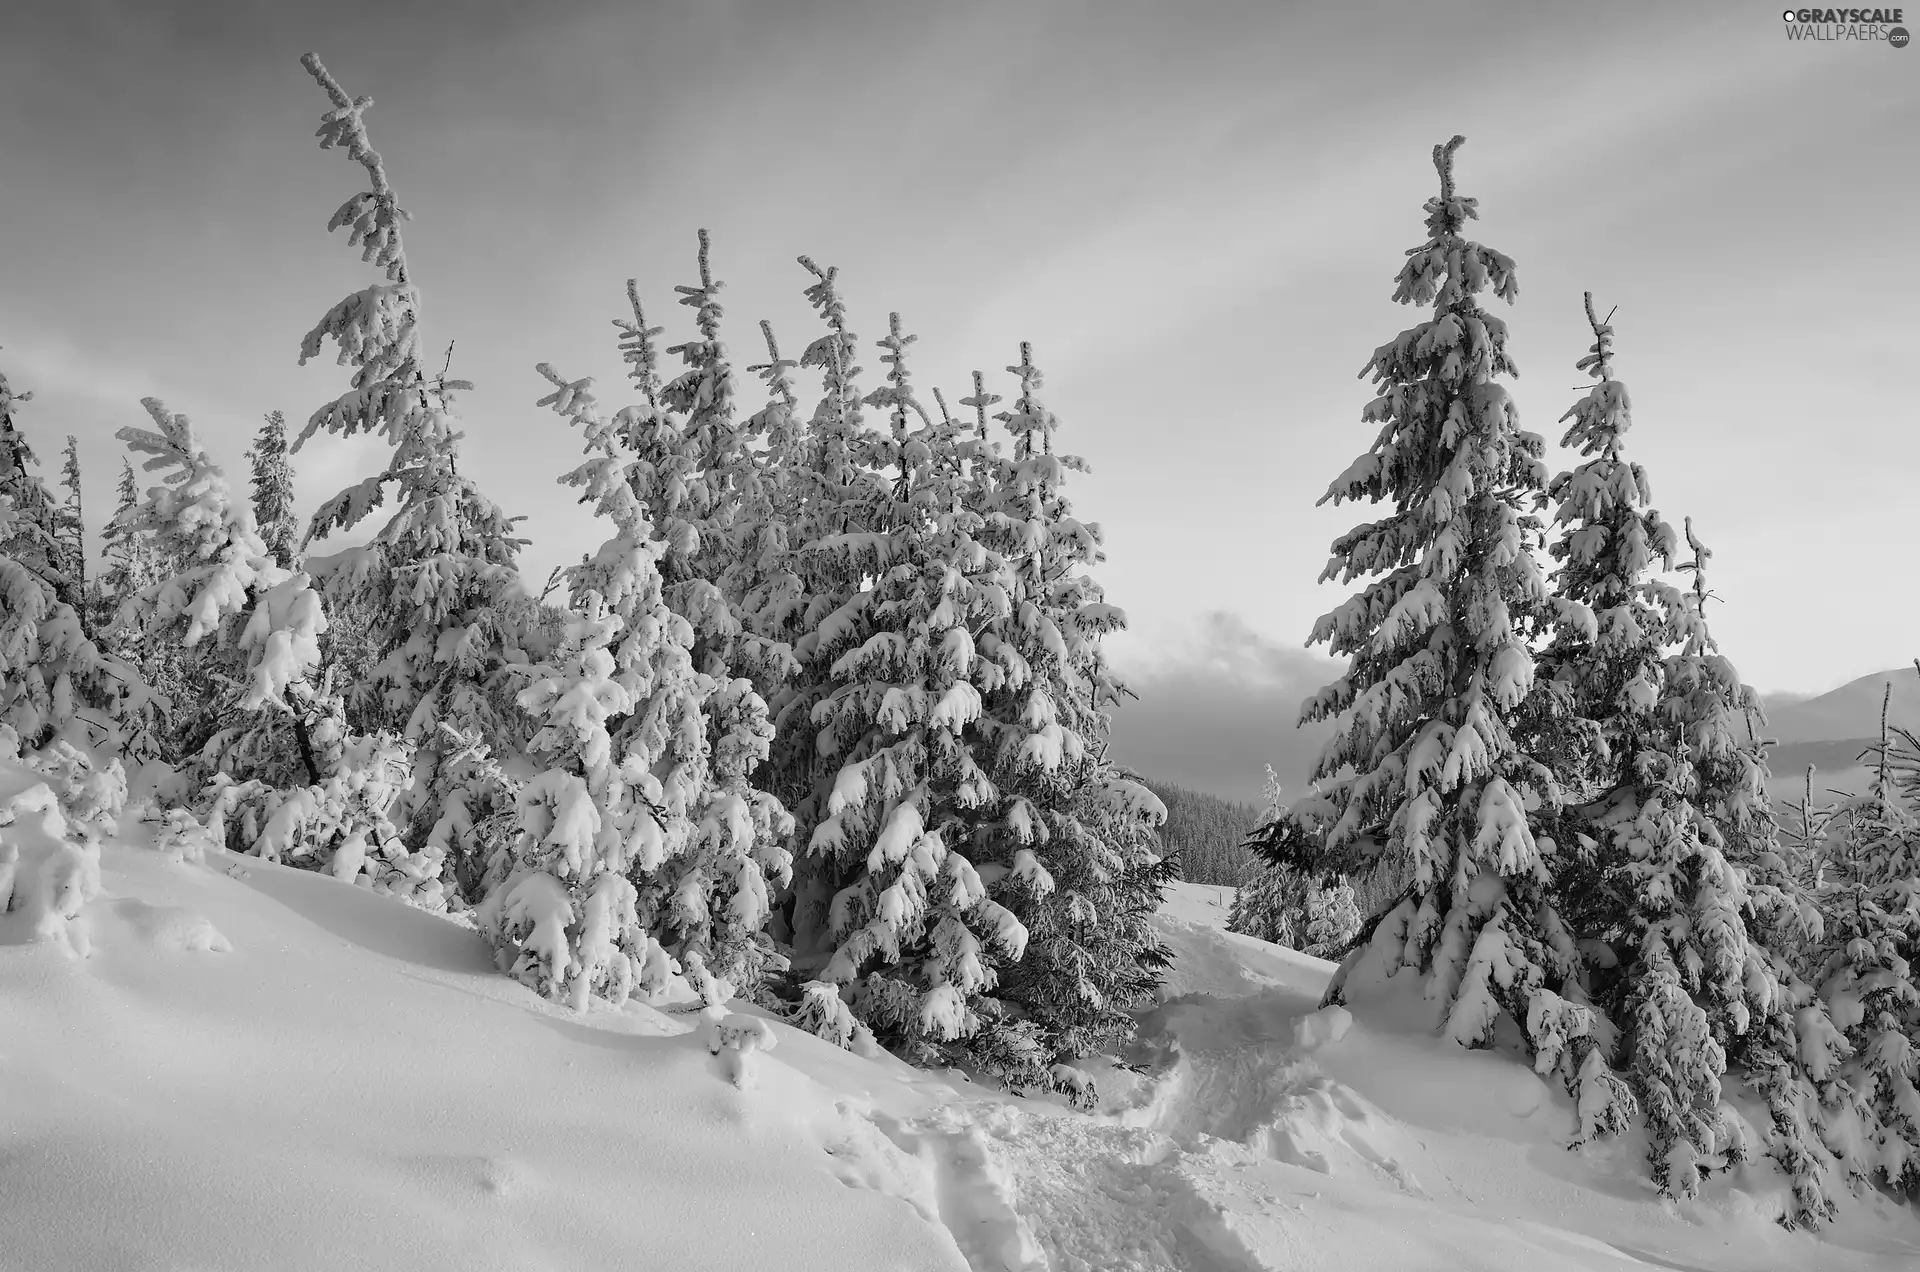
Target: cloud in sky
{"type": "Point", "coordinates": [1212, 715]}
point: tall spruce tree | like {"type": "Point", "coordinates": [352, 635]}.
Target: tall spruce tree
{"type": "Point", "coordinates": [830, 491]}
{"type": "Point", "coordinates": [1425, 766]}
{"type": "Point", "coordinates": [711, 481]}
{"type": "Point", "coordinates": [129, 563]}
{"type": "Point", "coordinates": [273, 491]}
{"type": "Point", "coordinates": [713, 846]}
{"type": "Point", "coordinates": [1774, 1029]}
{"type": "Point", "coordinates": [1646, 872]}
{"type": "Point", "coordinates": [440, 574]}
{"type": "Point", "coordinates": [1068, 844]}
{"type": "Point", "coordinates": [912, 938]}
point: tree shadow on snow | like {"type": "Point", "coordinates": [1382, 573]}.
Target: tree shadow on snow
{"type": "Point", "coordinates": [594, 1029]}
{"type": "Point", "coordinates": [382, 924]}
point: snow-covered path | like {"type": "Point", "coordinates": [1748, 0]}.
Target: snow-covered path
{"type": "Point", "coordinates": [1267, 1135]}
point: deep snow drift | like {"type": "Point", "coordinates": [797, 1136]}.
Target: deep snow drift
{"type": "Point", "coordinates": [257, 1067]}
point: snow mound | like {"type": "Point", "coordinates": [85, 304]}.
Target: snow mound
{"type": "Point", "coordinates": [47, 874]}
{"type": "Point", "coordinates": [349, 1082]}
{"type": "Point", "coordinates": [1322, 1028]}
{"type": "Point", "coordinates": [172, 928]}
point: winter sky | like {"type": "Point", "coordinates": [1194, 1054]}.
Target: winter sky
{"type": "Point", "coordinates": [1193, 210]}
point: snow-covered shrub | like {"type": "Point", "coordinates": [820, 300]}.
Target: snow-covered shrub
{"type": "Point", "coordinates": [1281, 905]}
{"type": "Point", "coordinates": [736, 1043]}
{"type": "Point", "coordinates": [49, 868]}
{"type": "Point", "coordinates": [479, 809]}
{"type": "Point", "coordinates": [91, 794]}
{"type": "Point", "coordinates": [565, 920]}
{"type": "Point", "coordinates": [823, 1013]}
{"type": "Point", "coordinates": [1270, 905]}
{"type": "Point", "coordinates": [1332, 918]}
{"type": "Point", "coordinates": [183, 838]}
{"type": "Point", "coordinates": [339, 824]}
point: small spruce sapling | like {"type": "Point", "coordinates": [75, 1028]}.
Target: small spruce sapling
{"type": "Point", "coordinates": [273, 491]}
{"type": "Point", "coordinates": [51, 675]}
{"type": "Point", "coordinates": [1870, 901]}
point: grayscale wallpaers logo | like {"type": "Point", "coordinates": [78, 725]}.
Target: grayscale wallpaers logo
{"type": "Point", "coordinates": [1822, 26]}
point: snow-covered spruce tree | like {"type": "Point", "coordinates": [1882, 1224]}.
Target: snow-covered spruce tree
{"type": "Point", "coordinates": [830, 493]}
{"type": "Point", "coordinates": [277, 775]}
{"type": "Point", "coordinates": [1870, 903]}
{"type": "Point", "coordinates": [1268, 902]}
{"type": "Point", "coordinates": [1788, 1036]}
{"type": "Point", "coordinates": [273, 491]}
{"type": "Point", "coordinates": [764, 583]}
{"type": "Point", "coordinates": [439, 577]}
{"type": "Point", "coordinates": [1285, 901]}
{"type": "Point", "coordinates": [130, 563]}
{"type": "Point", "coordinates": [708, 484]}
{"type": "Point", "coordinates": [565, 917]}
{"type": "Point", "coordinates": [264, 621]}
{"type": "Point", "coordinates": [1320, 916]}
{"type": "Point", "coordinates": [71, 525]}
{"type": "Point", "coordinates": [1645, 878]}
{"type": "Point", "coordinates": [713, 846]}
{"type": "Point", "coordinates": [1067, 843]}
{"type": "Point", "coordinates": [910, 934]}
{"type": "Point", "coordinates": [50, 672]}
{"type": "Point", "coordinates": [1441, 669]}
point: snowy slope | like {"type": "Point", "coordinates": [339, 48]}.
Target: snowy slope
{"type": "Point", "coordinates": [262, 1068]}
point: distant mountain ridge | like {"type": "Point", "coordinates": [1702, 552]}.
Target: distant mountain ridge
{"type": "Point", "coordinates": [1207, 831]}
{"type": "Point", "coordinates": [1829, 732]}
{"type": "Point", "coordinates": [1846, 714]}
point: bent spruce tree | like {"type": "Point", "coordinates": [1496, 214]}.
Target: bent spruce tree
{"type": "Point", "coordinates": [1425, 766]}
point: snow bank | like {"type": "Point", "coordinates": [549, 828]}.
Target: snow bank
{"type": "Point", "coordinates": [259, 1068]}
{"type": "Point", "coordinates": [53, 808]}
